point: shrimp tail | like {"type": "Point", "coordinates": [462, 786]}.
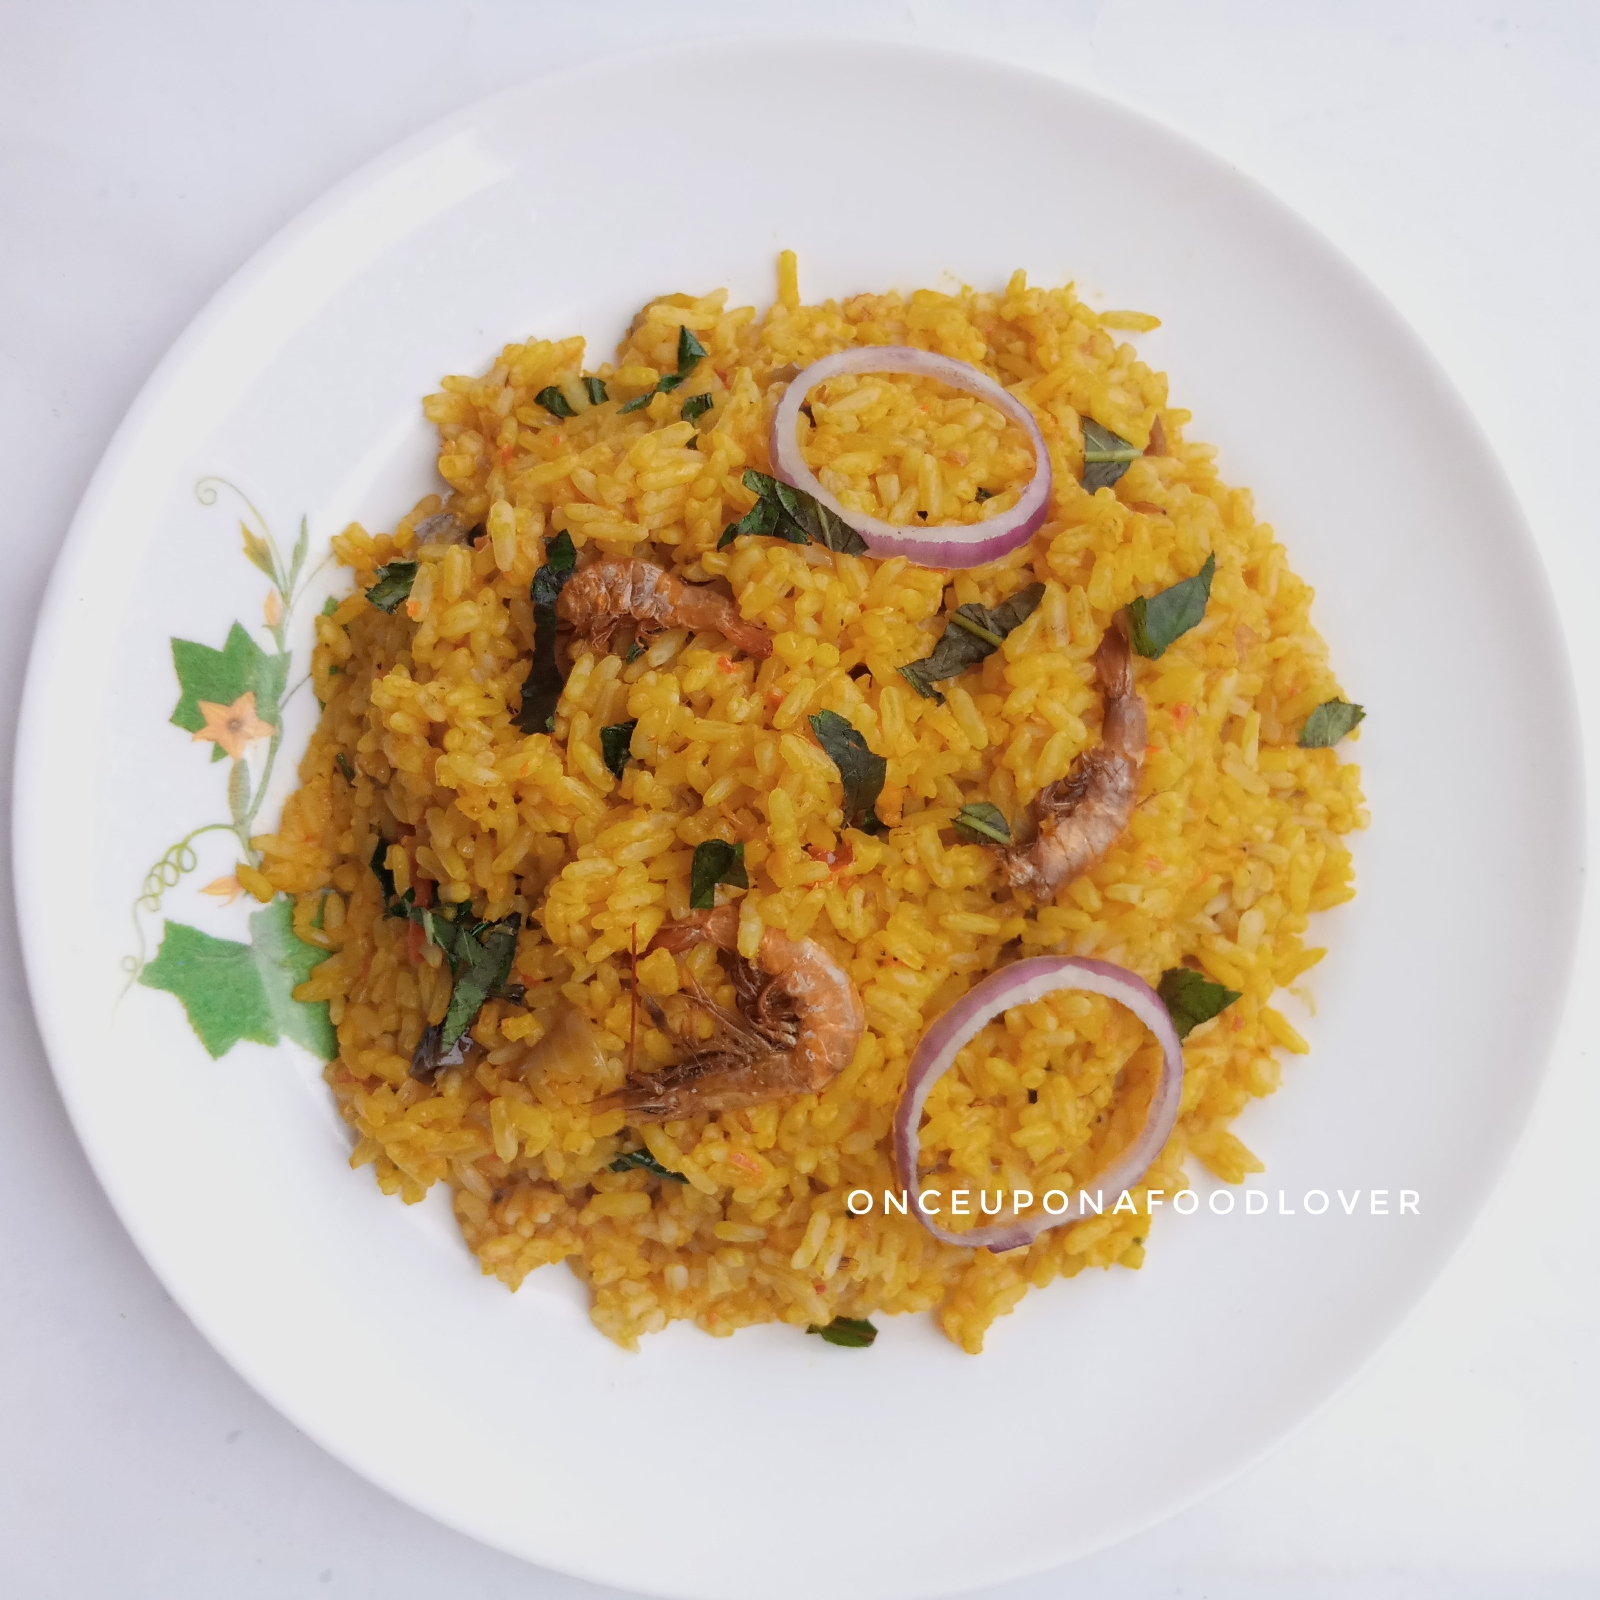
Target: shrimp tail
{"type": "Point", "coordinates": [797, 1026]}
{"type": "Point", "coordinates": [748, 636]}
{"type": "Point", "coordinates": [602, 594]}
{"type": "Point", "coordinates": [1081, 816]}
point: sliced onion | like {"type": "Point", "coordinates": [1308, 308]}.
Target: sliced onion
{"type": "Point", "coordinates": [960, 545]}
{"type": "Point", "coordinates": [1020, 985]}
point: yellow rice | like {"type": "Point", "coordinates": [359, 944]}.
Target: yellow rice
{"type": "Point", "coordinates": [1237, 839]}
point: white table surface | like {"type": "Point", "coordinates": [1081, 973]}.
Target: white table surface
{"type": "Point", "coordinates": [148, 149]}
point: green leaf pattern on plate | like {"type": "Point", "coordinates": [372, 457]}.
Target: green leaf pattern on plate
{"type": "Point", "coordinates": [232, 698]}
{"type": "Point", "coordinates": [235, 991]}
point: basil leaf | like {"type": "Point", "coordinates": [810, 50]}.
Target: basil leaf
{"type": "Point", "coordinates": [645, 1162]}
{"type": "Point", "coordinates": [456, 935]}
{"type": "Point", "coordinates": [913, 675]}
{"type": "Point", "coordinates": [394, 905]}
{"type": "Point", "coordinates": [1191, 998]}
{"type": "Point", "coordinates": [1154, 623]}
{"type": "Point", "coordinates": [555, 402]}
{"type": "Point", "coordinates": [635, 650]}
{"type": "Point", "coordinates": [597, 391]}
{"type": "Point", "coordinates": [342, 762]}
{"type": "Point", "coordinates": [983, 823]}
{"type": "Point", "coordinates": [850, 1333]}
{"type": "Point", "coordinates": [480, 954]}
{"type": "Point", "coordinates": [784, 512]}
{"type": "Point", "coordinates": [818, 523]}
{"type": "Point", "coordinates": [696, 406]}
{"type": "Point", "coordinates": [715, 861]}
{"type": "Point", "coordinates": [1106, 456]}
{"type": "Point", "coordinates": [760, 521]}
{"type": "Point", "coordinates": [615, 745]}
{"type": "Point", "coordinates": [541, 690]}
{"type": "Point", "coordinates": [487, 966]}
{"type": "Point", "coordinates": [974, 633]}
{"type": "Point", "coordinates": [1329, 723]}
{"type": "Point", "coordinates": [977, 630]}
{"type": "Point", "coordinates": [690, 351]}
{"type": "Point", "coordinates": [561, 555]}
{"type": "Point", "coordinates": [393, 585]}
{"type": "Point", "coordinates": [861, 772]}
{"type": "Point", "coordinates": [431, 1056]}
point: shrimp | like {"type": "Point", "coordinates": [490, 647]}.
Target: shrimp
{"type": "Point", "coordinates": [601, 594]}
{"type": "Point", "coordinates": [1081, 815]}
{"type": "Point", "coordinates": [798, 1023]}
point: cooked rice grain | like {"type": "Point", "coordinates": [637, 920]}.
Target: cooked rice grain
{"type": "Point", "coordinates": [1238, 837]}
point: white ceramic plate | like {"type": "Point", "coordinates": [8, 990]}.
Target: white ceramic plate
{"type": "Point", "coordinates": [772, 1464]}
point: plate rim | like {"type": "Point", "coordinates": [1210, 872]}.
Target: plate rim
{"type": "Point", "coordinates": [168, 373]}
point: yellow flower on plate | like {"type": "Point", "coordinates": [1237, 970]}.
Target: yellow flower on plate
{"type": "Point", "coordinates": [272, 608]}
{"type": "Point", "coordinates": [225, 889]}
{"type": "Point", "coordinates": [233, 727]}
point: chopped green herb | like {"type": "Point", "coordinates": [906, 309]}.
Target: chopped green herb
{"type": "Point", "coordinates": [541, 690]}
{"type": "Point", "coordinates": [784, 512]}
{"type": "Point", "coordinates": [456, 934]}
{"type": "Point", "coordinates": [394, 905]}
{"type": "Point", "coordinates": [635, 650]}
{"type": "Point", "coordinates": [431, 1057]}
{"type": "Point", "coordinates": [976, 632]}
{"type": "Point", "coordinates": [1329, 723]}
{"type": "Point", "coordinates": [1191, 998]}
{"type": "Point", "coordinates": [342, 762]}
{"type": "Point", "coordinates": [615, 745]}
{"type": "Point", "coordinates": [329, 606]}
{"type": "Point", "coordinates": [696, 406]}
{"type": "Point", "coordinates": [1155, 622]}
{"type": "Point", "coordinates": [596, 390]}
{"type": "Point", "coordinates": [555, 402]}
{"type": "Point", "coordinates": [988, 635]}
{"type": "Point", "coordinates": [1106, 456]}
{"type": "Point", "coordinates": [560, 562]}
{"type": "Point", "coordinates": [487, 965]}
{"type": "Point", "coordinates": [393, 585]}
{"type": "Point", "coordinates": [852, 1333]}
{"type": "Point", "coordinates": [980, 495]}
{"type": "Point", "coordinates": [690, 354]}
{"type": "Point", "coordinates": [860, 771]}
{"type": "Point", "coordinates": [645, 1162]}
{"type": "Point", "coordinates": [715, 861]}
{"type": "Point", "coordinates": [480, 954]}
{"type": "Point", "coordinates": [982, 821]}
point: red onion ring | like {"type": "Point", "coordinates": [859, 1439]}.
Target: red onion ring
{"type": "Point", "coordinates": [1020, 985]}
{"type": "Point", "coordinates": [963, 545]}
